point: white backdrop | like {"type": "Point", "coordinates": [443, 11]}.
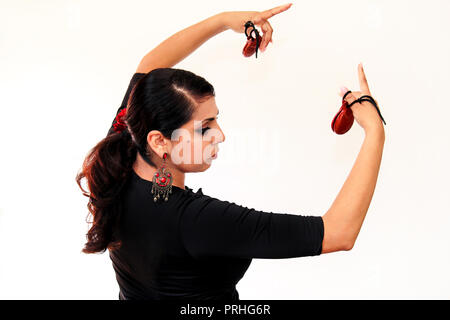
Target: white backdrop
{"type": "Point", "coordinates": [65, 67]}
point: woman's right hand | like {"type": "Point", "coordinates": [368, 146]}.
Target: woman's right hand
{"type": "Point", "coordinates": [364, 113]}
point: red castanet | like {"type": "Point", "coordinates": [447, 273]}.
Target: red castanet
{"type": "Point", "coordinates": [343, 120]}
{"type": "Point", "coordinates": [250, 46]}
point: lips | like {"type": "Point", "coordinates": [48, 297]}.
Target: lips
{"type": "Point", "coordinates": [216, 151]}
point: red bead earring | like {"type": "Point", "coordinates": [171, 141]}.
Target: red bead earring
{"type": "Point", "coordinates": [162, 182]}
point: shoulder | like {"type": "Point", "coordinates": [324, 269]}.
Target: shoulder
{"type": "Point", "coordinates": [201, 208]}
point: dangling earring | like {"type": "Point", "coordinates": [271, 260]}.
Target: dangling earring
{"type": "Point", "coordinates": [162, 182]}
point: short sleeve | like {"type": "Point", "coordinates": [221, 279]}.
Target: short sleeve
{"type": "Point", "coordinates": [211, 227]}
{"type": "Point", "coordinates": [134, 79]}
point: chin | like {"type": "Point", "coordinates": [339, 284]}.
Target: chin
{"type": "Point", "coordinates": [205, 167]}
{"type": "Point", "coordinates": [197, 167]}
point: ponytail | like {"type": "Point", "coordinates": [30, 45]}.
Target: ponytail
{"type": "Point", "coordinates": [106, 168]}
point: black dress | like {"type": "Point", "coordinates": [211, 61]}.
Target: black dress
{"type": "Point", "coordinates": [198, 247]}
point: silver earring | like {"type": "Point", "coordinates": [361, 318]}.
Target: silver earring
{"type": "Point", "coordinates": [162, 182]}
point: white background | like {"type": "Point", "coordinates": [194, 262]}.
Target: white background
{"type": "Point", "coordinates": [65, 67]}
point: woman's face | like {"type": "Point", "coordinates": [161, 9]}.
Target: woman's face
{"type": "Point", "coordinates": [195, 144]}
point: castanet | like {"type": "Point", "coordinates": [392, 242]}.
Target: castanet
{"type": "Point", "coordinates": [343, 120]}
{"type": "Point", "coordinates": [253, 43]}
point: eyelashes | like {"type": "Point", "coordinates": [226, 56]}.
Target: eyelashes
{"type": "Point", "coordinates": [204, 130]}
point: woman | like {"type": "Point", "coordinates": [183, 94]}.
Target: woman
{"type": "Point", "coordinates": [168, 242]}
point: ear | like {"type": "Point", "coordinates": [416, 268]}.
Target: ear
{"type": "Point", "coordinates": [158, 143]}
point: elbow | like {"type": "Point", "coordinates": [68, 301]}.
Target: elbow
{"type": "Point", "coordinates": [336, 236]}
{"type": "Point", "coordinates": [334, 244]}
{"type": "Point", "coordinates": [347, 246]}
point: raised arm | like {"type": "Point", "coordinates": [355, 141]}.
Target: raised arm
{"type": "Point", "coordinates": [181, 44]}
{"type": "Point", "coordinates": [177, 47]}
{"type": "Point", "coordinates": [343, 221]}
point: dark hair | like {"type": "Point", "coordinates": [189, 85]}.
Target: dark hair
{"type": "Point", "coordinates": [164, 99]}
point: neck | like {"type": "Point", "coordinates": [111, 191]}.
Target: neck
{"type": "Point", "coordinates": [146, 171]}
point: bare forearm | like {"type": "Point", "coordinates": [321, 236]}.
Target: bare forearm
{"type": "Point", "coordinates": [349, 209]}
{"type": "Point", "coordinates": [183, 43]}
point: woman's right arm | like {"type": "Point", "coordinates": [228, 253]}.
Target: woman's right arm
{"type": "Point", "coordinates": [344, 219]}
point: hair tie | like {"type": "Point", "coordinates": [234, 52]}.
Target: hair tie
{"type": "Point", "coordinates": [119, 122]}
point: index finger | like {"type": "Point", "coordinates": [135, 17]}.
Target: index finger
{"type": "Point", "coordinates": [362, 80]}
{"type": "Point", "coordinates": [271, 12]}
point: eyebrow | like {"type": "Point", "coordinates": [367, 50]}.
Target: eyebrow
{"type": "Point", "coordinates": [210, 119]}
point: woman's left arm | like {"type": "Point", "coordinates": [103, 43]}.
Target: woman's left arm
{"type": "Point", "coordinates": [174, 49]}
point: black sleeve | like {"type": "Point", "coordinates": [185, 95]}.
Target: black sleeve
{"type": "Point", "coordinates": [134, 79]}
{"type": "Point", "coordinates": [211, 227]}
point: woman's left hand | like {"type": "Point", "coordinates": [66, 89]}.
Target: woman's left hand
{"type": "Point", "coordinates": [236, 20]}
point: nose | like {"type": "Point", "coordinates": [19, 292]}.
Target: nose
{"type": "Point", "coordinates": [223, 135]}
